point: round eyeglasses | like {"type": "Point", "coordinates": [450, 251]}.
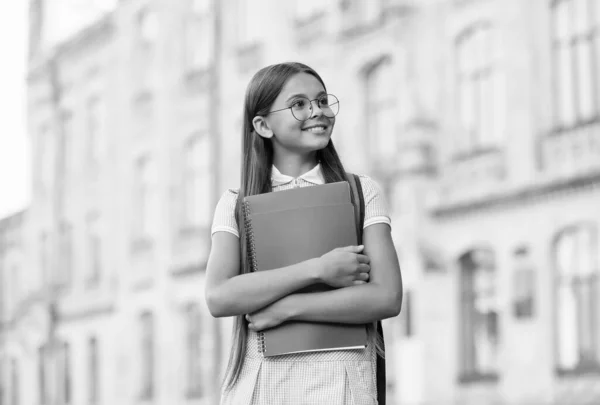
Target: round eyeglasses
{"type": "Point", "coordinates": [302, 107]}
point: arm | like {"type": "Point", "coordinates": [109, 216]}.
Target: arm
{"type": "Point", "coordinates": [379, 299]}
{"type": "Point", "coordinates": [229, 293]}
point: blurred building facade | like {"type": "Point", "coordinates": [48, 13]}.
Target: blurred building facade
{"type": "Point", "coordinates": [480, 119]}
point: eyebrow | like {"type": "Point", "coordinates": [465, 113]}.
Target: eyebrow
{"type": "Point", "coordinates": [304, 95]}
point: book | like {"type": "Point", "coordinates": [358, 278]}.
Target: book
{"type": "Point", "coordinates": [288, 227]}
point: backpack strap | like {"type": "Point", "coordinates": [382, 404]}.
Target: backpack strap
{"type": "Point", "coordinates": [359, 209]}
{"type": "Point", "coordinates": [359, 204]}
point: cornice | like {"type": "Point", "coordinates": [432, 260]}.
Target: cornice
{"type": "Point", "coordinates": [549, 190]}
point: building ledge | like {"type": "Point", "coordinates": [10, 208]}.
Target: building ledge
{"type": "Point", "coordinates": [526, 194]}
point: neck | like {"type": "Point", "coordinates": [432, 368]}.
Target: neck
{"type": "Point", "coordinates": [295, 165]}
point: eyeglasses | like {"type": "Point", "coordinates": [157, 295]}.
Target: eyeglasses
{"type": "Point", "coordinates": [302, 108]}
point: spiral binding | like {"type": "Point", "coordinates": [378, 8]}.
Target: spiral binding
{"type": "Point", "coordinates": [251, 251]}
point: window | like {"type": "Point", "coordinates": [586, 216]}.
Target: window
{"type": "Point", "coordinates": [13, 296]}
{"type": "Point", "coordinates": [197, 175]}
{"type": "Point", "coordinates": [14, 383]}
{"type": "Point", "coordinates": [47, 159]}
{"type": "Point", "coordinates": [147, 356]}
{"type": "Point", "coordinates": [199, 35]}
{"type": "Point", "coordinates": [481, 94]}
{"type": "Point", "coordinates": [66, 372]}
{"type": "Point", "coordinates": [381, 110]}
{"type": "Point", "coordinates": [576, 260]}
{"type": "Point", "coordinates": [68, 147]}
{"type": "Point", "coordinates": [407, 315]}
{"type": "Point", "coordinates": [94, 246]}
{"type": "Point", "coordinates": [574, 37]}
{"type": "Point", "coordinates": [145, 198]}
{"type": "Point", "coordinates": [193, 355]}
{"type": "Point", "coordinates": [65, 267]}
{"type": "Point", "coordinates": [45, 258]}
{"type": "Point", "coordinates": [523, 284]}
{"type": "Point", "coordinates": [93, 370]}
{"type": "Point", "coordinates": [42, 376]}
{"type": "Point", "coordinates": [94, 127]}
{"type": "Point", "coordinates": [479, 334]}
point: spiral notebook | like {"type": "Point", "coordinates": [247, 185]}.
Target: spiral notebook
{"type": "Point", "coordinates": [290, 226]}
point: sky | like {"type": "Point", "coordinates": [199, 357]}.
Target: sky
{"type": "Point", "coordinates": [15, 183]}
{"type": "Point", "coordinates": [63, 19]}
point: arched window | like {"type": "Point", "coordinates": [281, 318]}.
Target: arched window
{"type": "Point", "coordinates": [146, 368]}
{"type": "Point", "coordinates": [197, 175]}
{"type": "Point", "coordinates": [199, 35]}
{"type": "Point", "coordinates": [575, 34]}
{"type": "Point", "coordinates": [576, 264]}
{"type": "Point", "coordinates": [93, 371]}
{"type": "Point", "coordinates": [193, 355]}
{"type": "Point", "coordinates": [381, 110]}
{"type": "Point", "coordinates": [480, 91]}
{"type": "Point", "coordinates": [479, 333]}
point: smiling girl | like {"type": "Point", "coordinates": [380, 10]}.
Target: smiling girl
{"type": "Point", "coordinates": [288, 122]}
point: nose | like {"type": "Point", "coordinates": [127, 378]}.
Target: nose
{"type": "Point", "coordinates": [315, 110]}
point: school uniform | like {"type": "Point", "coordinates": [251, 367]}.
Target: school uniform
{"type": "Point", "coordinates": [330, 377]}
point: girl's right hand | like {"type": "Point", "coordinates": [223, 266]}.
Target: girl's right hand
{"type": "Point", "coordinates": [344, 267]}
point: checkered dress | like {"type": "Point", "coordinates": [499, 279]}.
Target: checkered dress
{"type": "Point", "coordinates": [344, 377]}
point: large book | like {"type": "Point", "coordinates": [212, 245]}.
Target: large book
{"type": "Point", "coordinates": [288, 227]}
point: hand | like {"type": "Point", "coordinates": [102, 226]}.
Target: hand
{"type": "Point", "coordinates": [268, 317]}
{"type": "Point", "coordinates": [344, 267]}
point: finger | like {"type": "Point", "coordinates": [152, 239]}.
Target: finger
{"type": "Point", "coordinates": [352, 248]}
{"type": "Point", "coordinates": [363, 276]}
{"type": "Point", "coordinates": [364, 268]}
{"type": "Point", "coordinates": [248, 317]}
{"type": "Point", "coordinates": [363, 258]}
{"type": "Point", "coordinates": [359, 282]}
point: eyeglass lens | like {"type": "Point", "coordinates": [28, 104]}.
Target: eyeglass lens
{"type": "Point", "coordinates": [302, 108]}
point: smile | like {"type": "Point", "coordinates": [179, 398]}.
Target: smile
{"type": "Point", "coordinates": [319, 129]}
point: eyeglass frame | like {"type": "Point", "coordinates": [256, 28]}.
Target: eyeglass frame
{"type": "Point", "coordinates": [310, 103]}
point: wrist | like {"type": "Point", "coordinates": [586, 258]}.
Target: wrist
{"type": "Point", "coordinates": [315, 270]}
{"type": "Point", "coordinates": [291, 309]}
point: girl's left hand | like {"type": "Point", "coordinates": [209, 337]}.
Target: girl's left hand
{"type": "Point", "coordinates": [268, 317]}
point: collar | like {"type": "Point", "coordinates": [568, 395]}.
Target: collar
{"type": "Point", "coordinates": [314, 176]}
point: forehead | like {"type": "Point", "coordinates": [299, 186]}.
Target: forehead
{"type": "Point", "coordinates": [301, 83]}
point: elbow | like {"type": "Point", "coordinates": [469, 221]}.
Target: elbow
{"type": "Point", "coordinates": [215, 304]}
{"type": "Point", "coordinates": [393, 304]}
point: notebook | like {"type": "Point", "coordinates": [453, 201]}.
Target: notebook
{"type": "Point", "coordinates": [290, 226]}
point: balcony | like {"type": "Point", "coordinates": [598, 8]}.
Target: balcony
{"type": "Point", "coordinates": [570, 153]}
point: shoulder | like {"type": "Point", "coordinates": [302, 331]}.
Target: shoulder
{"type": "Point", "coordinates": [224, 217]}
{"type": "Point", "coordinates": [376, 208]}
{"type": "Point", "coordinates": [370, 188]}
{"type": "Point", "coordinates": [228, 197]}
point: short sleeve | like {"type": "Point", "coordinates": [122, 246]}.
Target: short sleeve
{"type": "Point", "coordinates": [224, 219]}
{"type": "Point", "coordinates": [376, 210]}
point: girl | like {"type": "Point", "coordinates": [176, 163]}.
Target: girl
{"type": "Point", "coordinates": [288, 121]}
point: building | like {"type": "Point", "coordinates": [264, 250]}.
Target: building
{"type": "Point", "coordinates": [478, 118]}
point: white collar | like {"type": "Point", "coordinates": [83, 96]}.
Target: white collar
{"type": "Point", "coordinates": [314, 176]}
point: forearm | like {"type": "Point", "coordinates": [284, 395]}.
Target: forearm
{"type": "Point", "coordinates": [250, 292]}
{"type": "Point", "coordinates": [357, 304]}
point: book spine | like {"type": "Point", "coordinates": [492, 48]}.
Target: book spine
{"type": "Point", "coordinates": [251, 251]}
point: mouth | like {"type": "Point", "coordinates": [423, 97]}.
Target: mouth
{"type": "Point", "coordinates": [316, 129]}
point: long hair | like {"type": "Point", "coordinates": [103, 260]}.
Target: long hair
{"type": "Point", "coordinates": [257, 160]}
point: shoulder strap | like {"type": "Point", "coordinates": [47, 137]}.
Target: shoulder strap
{"type": "Point", "coordinates": [359, 208]}
{"type": "Point", "coordinates": [359, 204]}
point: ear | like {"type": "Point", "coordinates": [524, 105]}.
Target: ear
{"type": "Point", "coordinates": [262, 127]}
